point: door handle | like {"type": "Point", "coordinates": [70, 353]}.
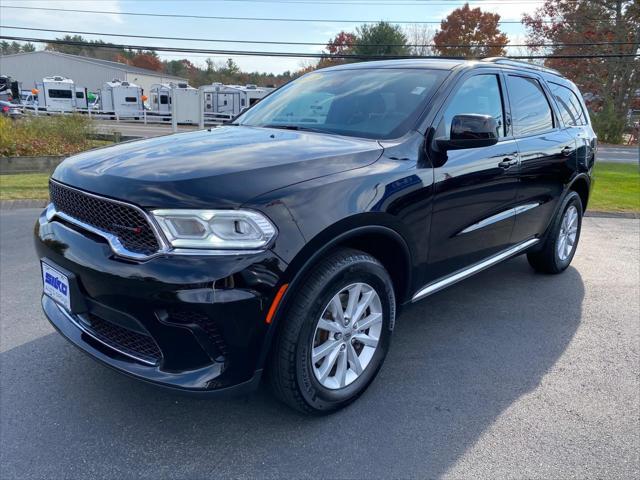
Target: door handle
{"type": "Point", "coordinates": [566, 151]}
{"type": "Point", "coordinates": [507, 163]}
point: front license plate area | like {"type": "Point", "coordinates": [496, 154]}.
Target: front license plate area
{"type": "Point", "coordinates": [56, 285]}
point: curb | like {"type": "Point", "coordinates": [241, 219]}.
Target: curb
{"type": "Point", "coordinates": [596, 214]}
{"type": "Point", "coordinates": [16, 204]}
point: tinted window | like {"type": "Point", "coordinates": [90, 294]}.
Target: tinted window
{"type": "Point", "coordinates": [530, 109]}
{"type": "Point", "coordinates": [79, 94]}
{"type": "Point", "coordinates": [130, 99]}
{"type": "Point", "coordinates": [164, 99]}
{"type": "Point", "coordinates": [53, 93]}
{"type": "Point", "coordinates": [477, 95]}
{"type": "Point", "coordinates": [569, 105]}
{"type": "Point", "coordinates": [372, 103]}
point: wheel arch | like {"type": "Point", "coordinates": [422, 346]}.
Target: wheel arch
{"type": "Point", "coordinates": [582, 186]}
{"type": "Point", "coordinates": [368, 232]}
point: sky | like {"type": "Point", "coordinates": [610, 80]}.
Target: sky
{"type": "Point", "coordinates": [317, 31]}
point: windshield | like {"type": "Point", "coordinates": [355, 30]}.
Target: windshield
{"type": "Point", "coordinates": [371, 103]}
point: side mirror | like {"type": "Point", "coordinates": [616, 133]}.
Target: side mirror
{"type": "Point", "coordinates": [470, 131]}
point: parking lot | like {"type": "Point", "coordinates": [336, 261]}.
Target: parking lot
{"type": "Point", "coordinates": [508, 374]}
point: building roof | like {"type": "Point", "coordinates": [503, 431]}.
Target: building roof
{"type": "Point", "coordinates": [105, 63]}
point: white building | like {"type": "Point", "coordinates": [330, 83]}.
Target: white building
{"type": "Point", "coordinates": [89, 73]}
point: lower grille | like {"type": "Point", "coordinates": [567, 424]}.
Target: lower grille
{"type": "Point", "coordinates": [124, 221]}
{"type": "Point", "coordinates": [204, 322]}
{"type": "Point", "coordinates": [127, 341]}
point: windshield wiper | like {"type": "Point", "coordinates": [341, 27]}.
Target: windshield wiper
{"type": "Point", "coordinates": [293, 127]}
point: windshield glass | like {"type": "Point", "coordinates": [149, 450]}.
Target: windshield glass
{"type": "Point", "coordinates": [372, 103]}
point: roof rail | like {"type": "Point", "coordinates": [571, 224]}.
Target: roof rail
{"type": "Point", "coordinates": [520, 63]}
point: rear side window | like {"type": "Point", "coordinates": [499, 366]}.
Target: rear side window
{"type": "Point", "coordinates": [55, 93]}
{"type": "Point", "coordinates": [79, 94]}
{"type": "Point", "coordinates": [130, 99]}
{"type": "Point", "coordinates": [480, 95]}
{"type": "Point", "coordinates": [570, 107]}
{"type": "Point", "coordinates": [530, 108]}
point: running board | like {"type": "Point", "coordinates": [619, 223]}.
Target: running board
{"type": "Point", "coordinates": [467, 272]}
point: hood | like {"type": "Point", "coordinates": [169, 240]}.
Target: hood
{"type": "Point", "coordinates": [217, 168]}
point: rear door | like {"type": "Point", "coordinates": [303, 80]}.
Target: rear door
{"type": "Point", "coordinates": [547, 154]}
{"type": "Point", "coordinates": [475, 188]}
{"type": "Point", "coordinates": [574, 118]}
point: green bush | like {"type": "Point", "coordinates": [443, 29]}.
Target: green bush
{"type": "Point", "coordinates": [45, 135]}
{"type": "Point", "coordinates": [609, 125]}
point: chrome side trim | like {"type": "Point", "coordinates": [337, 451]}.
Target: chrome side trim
{"type": "Point", "coordinates": [512, 212]}
{"type": "Point", "coordinates": [88, 332]}
{"type": "Point", "coordinates": [467, 272]}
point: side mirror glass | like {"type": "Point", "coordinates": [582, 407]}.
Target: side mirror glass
{"type": "Point", "coordinates": [470, 131]}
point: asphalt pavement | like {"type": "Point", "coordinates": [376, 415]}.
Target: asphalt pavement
{"type": "Point", "coordinates": [507, 374]}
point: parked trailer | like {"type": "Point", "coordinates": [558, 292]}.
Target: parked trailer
{"type": "Point", "coordinates": [177, 99]}
{"type": "Point", "coordinates": [9, 89]}
{"type": "Point", "coordinates": [81, 98]}
{"type": "Point", "coordinates": [121, 98]}
{"type": "Point", "coordinates": [231, 99]}
{"type": "Point", "coordinates": [56, 94]}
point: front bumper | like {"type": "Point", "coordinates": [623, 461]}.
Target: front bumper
{"type": "Point", "coordinates": [195, 323]}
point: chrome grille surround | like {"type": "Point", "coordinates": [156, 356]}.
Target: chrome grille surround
{"type": "Point", "coordinates": [129, 230]}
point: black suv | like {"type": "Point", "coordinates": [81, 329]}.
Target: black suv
{"type": "Point", "coordinates": [286, 241]}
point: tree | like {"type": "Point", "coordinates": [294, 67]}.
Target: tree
{"type": "Point", "coordinates": [147, 60]}
{"type": "Point", "coordinates": [420, 37]}
{"type": "Point", "coordinates": [380, 39]}
{"type": "Point", "coordinates": [7, 48]}
{"type": "Point", "coordinates": [467, 32]}
{"type": "Point", "coordinates": [341, 44]}
{"type": "Point", "coordinates": [608, 83]}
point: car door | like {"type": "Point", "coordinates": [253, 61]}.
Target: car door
{"type": "Point", "coordinates": [574, 118]}
{"type": "Point", "coordinates": [547, 154]}
{"type": "Point", "coordinates": [474, 188]}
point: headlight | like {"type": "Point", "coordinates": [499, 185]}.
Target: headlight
{"type": "Point", "coordinates": [215, 229]}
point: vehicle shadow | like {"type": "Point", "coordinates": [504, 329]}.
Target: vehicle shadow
{"type": "Point", "coordinates": [458, 360]}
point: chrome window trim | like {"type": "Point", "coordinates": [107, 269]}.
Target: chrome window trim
{"type": "Point", "coordinates": [512, 212]}
{"type": "Point", "coordinates": [85, 330]}
{"type": "Point", "coordinates": [469, 271]}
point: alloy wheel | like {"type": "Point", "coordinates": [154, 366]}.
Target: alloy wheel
{"type": "Point", "coordinates": [346, 336]}
{"type": "Point", "coordinates": [568, 233]}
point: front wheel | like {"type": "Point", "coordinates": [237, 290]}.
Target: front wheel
{"type": "Point", "coordinates": [335, 334]}
{"type": "Point", "coordinates": [562, 240]}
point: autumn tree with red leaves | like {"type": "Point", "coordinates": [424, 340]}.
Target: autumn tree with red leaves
{"type": "Point", "coordinates": [609, 84]}
{"type": "Point", "coordinates": [341, 44]}
{"type": "Point", "coordinates": [147, 60]}
{"type": "Point", "coordinates": [470, 32]}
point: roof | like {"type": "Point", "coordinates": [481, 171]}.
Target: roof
{"type": "Point", "coordinates": [435, 63]}
{"type": "Point", "coordinates": [105, 63]}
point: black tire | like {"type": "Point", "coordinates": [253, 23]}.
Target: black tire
{"type": "Point", "coordinates": [547, 259]}
{"type": "Point", "coordinates": [290, 368]}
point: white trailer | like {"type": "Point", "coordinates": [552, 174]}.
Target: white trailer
{"type": "Point", "coordinates": [82, 102]}
{"type": "Point", "coordinates": [56, 94]}
{"type": "Point", "coordinates": [177, 99]}
{"type": "Point", "coordinates": [231, 99]}
{"type": "Point", "coordinates": [121, 98]}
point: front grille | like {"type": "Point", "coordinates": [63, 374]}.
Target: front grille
{"type": "Point", "coordinates": [125, 222]}
{"type": "Point", "coordinates": [203, 321]}
{"type": "Point", "coordinates": [125, 340]}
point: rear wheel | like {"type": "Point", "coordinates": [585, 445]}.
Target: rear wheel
{"type": "Point", "coordinates": [335, 333]}
{"type": "Point", "coordinates": [562, 241]}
